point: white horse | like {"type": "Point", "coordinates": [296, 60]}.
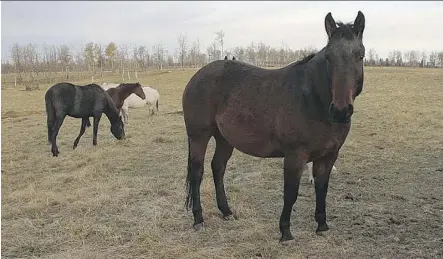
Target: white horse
{"type": "Point", "coordinates": [133, 101]}
{"type": "Point", "coordinates": [308, 167]}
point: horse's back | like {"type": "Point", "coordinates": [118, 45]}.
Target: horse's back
{"type": "Point", "coordinates": [240, 100]}
{"type": "Point", "coordinates": [74, 100]}
{"type": "Point", "coordinates": [151, 94]}
{"type": "Point", "coordinates": [107, 86]}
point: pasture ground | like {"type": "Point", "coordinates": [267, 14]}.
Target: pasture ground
{"type": "Point", "coordinates": [125, 199]}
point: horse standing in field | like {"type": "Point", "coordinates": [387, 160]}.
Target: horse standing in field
{"type": "Point", "coordinates": [301, 112]}
{"type": "Point", "coordinates": [134, 101]}
{"type": "Point", "coordinates": [66, 99]}
{"type": "Point", "coordinates": [152, 99]}
{"type": "Point", "coordinates": [119, 94]}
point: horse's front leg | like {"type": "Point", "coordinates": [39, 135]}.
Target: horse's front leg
{"type": "Point", "coordinates": [82, 131]}
{"type": "Point", "coordinates": [95, 130]}
{"type": "Point", "coordinates": [125, 115]}
{"type": "Point", "coordinates": [322, 170]}
{"type": "Point", "coordinates": [293, 168]}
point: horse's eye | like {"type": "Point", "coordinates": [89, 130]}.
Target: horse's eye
{"type": "Point", "coordinates": [362, 57]}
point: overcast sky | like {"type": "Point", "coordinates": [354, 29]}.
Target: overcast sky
{"type": "Point", "coordinates": [389, 25]}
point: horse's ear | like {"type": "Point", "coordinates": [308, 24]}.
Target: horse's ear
{"type": "Point", "coordinates": [226, 57]}
{"type": "Point", "coordinates": [233, 58]}
{"type": "Point", "coordinates": [359, 25]}
{"type": "Point", "coordinates": [330, 25]}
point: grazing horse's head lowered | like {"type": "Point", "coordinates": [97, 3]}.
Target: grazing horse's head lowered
{"type": "Point", "coordinates": [118, 129]}
{"type": "Point", "coordinates": [344, 60]}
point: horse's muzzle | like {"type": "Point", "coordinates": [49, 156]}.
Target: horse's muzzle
{"type": "Point", "coordinates": [342, 115]}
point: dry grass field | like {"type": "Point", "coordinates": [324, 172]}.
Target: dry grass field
{"type": "Point", "coordinates": [125, 199]}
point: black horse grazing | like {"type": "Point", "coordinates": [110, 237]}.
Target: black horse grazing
{"type": "Point", "coordinates": [66, 99]}
{"type": "Point", "coordinates": [301, 112]}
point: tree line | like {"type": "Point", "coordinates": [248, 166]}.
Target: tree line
{"type": "Point", "coordinates": [31, 64]}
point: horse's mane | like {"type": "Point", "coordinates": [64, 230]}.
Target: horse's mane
{"type": "Point", "coordinates": [303, 60]}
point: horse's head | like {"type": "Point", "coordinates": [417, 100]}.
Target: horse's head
{"type": "Point", "coordinates": [118, 128]}
{"type": "Point", "coordinates": [344, 60]}
{"type": "Point", "coordinates": [138, 90]}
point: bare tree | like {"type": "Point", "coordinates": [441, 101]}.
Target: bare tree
{"type": "Point", "coordinates": [221, 39]}
{"type": "Point", "coordinates": [100, 57]}
{"type": "Point", "coordinates": [182, 42]}
{"type": "Point", "coordinates": [90, 58]}
{"type": "Point", "coordinates": [194, 53]}
{"type": "Point", "coordinates": [413, 57]}
{"type": "Point", "coordinates": [65, 57]}
{"type": "Point", "coordinates": [159, 52]}
{"type": "Point", "coordinates": [17, 60]}
{"type": "Point", "coordinates": [250, 53]}
{"type": "Point", "coordinates": [398, 58]}
{"type": "Point", "coordinates": [262, 54]}
{"type": "Point", "coordinates": [433, 58]}
{"type": "Point", "coordinates": [423, 58]}
{"type": "Point", "coordinates": [440, 58]}
{"type": "Point", "coordinates": [111, 53]}
{"type": "Point", "coordinates": [30, 59]}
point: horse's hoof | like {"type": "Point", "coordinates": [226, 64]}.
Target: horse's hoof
{"type": "Point", "coordinates": [321, 229]}
{"type": "Point", "coordinates": [230, 217]}
{"type": "Point", "coordinates": [199, 226]}
{"type": "Point", "coordinates": [287, 242]}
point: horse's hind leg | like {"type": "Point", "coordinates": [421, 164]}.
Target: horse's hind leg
{"type": "Point", "coordinates": [82, 131]}
{"type": "Point", "coordinates": [55, 129]}
{"type": "Point", "coordinates": [196, 157]}
{"type": "Point", "coordinates": [50, 125]}
{"type": "Point", "coordinates": [223, 152]}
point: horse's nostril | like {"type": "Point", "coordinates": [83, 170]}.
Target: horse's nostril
{"type": "Point", "coordinates": [331, 108]}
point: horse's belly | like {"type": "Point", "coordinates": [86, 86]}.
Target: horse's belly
{"type": "Point", "coordinates": [134, 103]}
{"type": "Point", "coordinates": [248, 137]}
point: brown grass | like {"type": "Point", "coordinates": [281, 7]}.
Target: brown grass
{"type": "Point", "coordinates": [125, 199]}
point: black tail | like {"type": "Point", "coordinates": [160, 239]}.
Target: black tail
{"type": "Point", "coordinates": [50, 114]}
{"type": "Point", "coordinates": [188, 180]}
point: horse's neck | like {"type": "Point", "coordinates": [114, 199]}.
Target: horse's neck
{"type": "Point", "coordinates": [111, 110]}
{"type": "Point", "coordinates": [318, 94]}
{"type": "Point", "coordinates": [126, 91]}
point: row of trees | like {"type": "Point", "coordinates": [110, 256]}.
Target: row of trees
{"type": "Point", "coordinates": [31, 64]}
{"type": "Point", "coordinates": [410, 58]}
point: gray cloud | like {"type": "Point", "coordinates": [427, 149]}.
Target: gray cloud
{"type": "Point", "coordinates": [389, 25]}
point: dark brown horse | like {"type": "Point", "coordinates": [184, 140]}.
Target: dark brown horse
{"type": "Point", "coordinates": [301, 112]}
{"type": "Point", "coordinates": [121, 92]}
